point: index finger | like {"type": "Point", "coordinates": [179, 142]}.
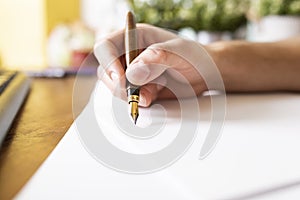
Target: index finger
{"type": "Point", "coordinates": [108, 52]}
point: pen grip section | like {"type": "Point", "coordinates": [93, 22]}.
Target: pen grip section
{"type": "Point", "coordinates": [133, 93]}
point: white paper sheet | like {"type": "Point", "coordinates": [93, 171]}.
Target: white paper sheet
{"type": "Point", "coordinates": [256, 157]}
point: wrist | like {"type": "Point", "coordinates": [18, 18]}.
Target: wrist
{"type": "Point", "coordinates": [221, 53]}
{"type": "Point", "coordinates": [247, 67]}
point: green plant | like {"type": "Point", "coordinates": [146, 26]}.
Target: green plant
{"type": "Point", "coordinates": [261, 8]}
{"type": "Point", "coordinates": [219, 15]}
{"type": "Point", "coordinates": [212, 15]}
{"type": "Point", "coordinates": [162, 13]}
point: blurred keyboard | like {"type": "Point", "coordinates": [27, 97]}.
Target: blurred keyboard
{"type": "Point", "coordinates": [14, 87]}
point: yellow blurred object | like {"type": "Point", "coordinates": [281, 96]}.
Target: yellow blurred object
{"type": "Point", "coordinates": [61, 11]}
{"type": "Point", "coordinates": [0, 61]}
{"type": "Point", "coordinates": [25, 26]}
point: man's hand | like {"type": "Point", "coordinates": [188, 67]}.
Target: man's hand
{"type": "Point", "coordinates": [166, 61]}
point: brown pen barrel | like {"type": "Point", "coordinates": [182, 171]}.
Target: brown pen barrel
{"type": "Point", "coordinates": [131, 47]}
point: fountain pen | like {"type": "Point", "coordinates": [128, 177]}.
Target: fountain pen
{"type": "Point", "coordinates": [131, 52]}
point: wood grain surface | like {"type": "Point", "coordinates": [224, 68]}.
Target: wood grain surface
{"type": "Point", "coordinates": [42, 121]}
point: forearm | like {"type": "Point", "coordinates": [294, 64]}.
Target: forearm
{"type": "Point", "coordinates": [247, 66]}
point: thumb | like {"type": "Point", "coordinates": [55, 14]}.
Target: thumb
{"type": "Point", "coordinates": [151, 63]}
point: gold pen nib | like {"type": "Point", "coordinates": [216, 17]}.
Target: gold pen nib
{"type": "Point", "coordinates": [134, 111]}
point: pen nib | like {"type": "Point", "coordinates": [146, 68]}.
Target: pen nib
{"type": "Point", "coordinates": [134, 117]}
{"type": "Point", "coordinates": [134, 111]}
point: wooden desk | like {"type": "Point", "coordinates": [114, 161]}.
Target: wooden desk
{"type": "Point", "coordinates": [43, 120]}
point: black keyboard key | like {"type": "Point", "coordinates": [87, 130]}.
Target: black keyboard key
{"type": "Point", "coordinates": [5, 79]}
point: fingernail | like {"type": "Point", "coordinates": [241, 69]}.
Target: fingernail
{"type": "Point", "coordinates": [114, 76]}
{"type": "Point", "coordinates": [138, 73]}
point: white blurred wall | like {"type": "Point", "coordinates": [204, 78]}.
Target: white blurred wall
{"type": "Point", "coordinates": [104, 15]}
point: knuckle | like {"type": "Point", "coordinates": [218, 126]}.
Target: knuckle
{"type": "Point", "coordinates": [100, 45]}
{"type": "Point", "coordinates": [160, 54]}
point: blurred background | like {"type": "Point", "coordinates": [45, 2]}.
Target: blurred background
{"type": "Point", "coordinates": [38, 34]}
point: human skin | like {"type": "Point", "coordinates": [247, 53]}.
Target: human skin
{"type": "Point", "coordinates": [243, 66]}
{"type": "Point", "coordinates": [254, 67]}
